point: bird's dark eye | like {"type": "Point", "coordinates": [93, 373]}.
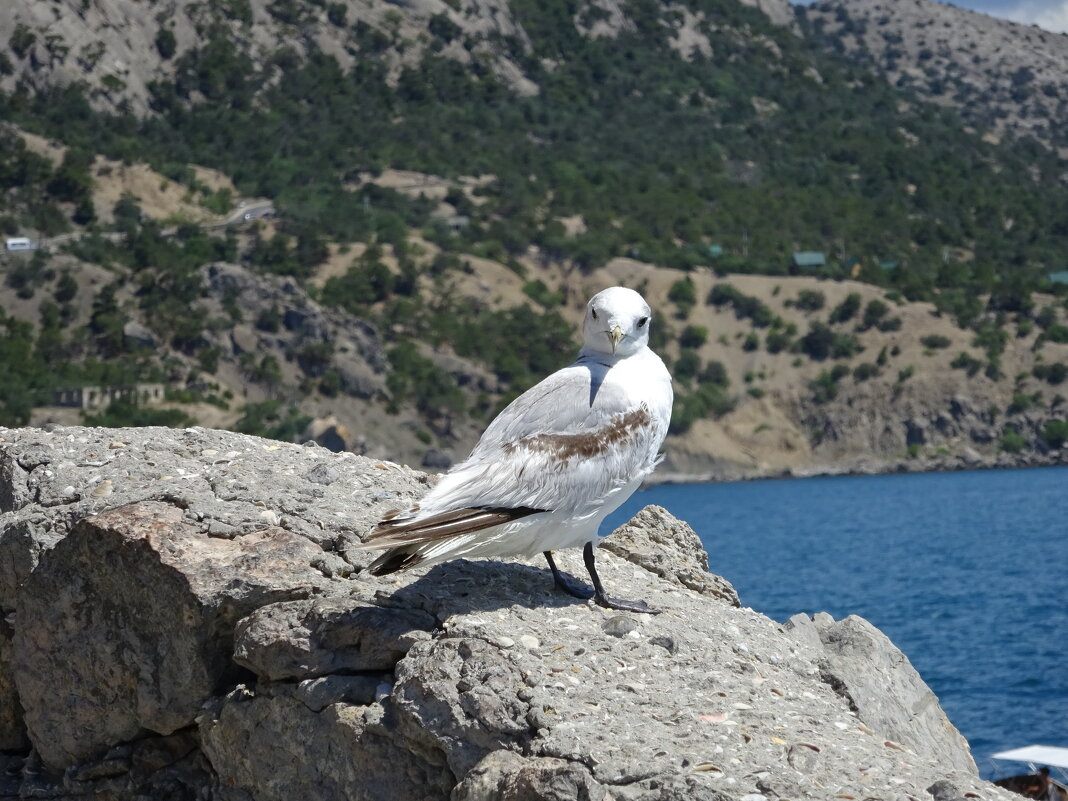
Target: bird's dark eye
{"type": "Point", "coordinates": [642, 322]}
{"type": "Point", "coordinates": [594, 313]}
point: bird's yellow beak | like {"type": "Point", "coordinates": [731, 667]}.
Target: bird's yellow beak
{"type": "Point", "coordinates": [615, 336]}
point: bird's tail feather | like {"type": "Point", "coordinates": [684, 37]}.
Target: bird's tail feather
{"type": "Point", "coordinates": [406, 538]}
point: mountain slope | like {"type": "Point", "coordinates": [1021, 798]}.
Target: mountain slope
{"type": "Point", "coordinates": [440, 223]}
{"type": "Point", "coordinates": [1004, 77]}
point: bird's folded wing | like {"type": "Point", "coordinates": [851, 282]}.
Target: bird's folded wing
{"type": "Point", "coordinates": [405, 531]}
{"type": "Point", "coordinates": [552, 450]}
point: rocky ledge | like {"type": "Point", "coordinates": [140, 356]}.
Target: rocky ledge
{"type": "Point", "coordinates": [185, 617]}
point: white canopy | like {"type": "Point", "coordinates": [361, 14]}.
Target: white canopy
{"type": "Point", "coordinates": [1037, 755]}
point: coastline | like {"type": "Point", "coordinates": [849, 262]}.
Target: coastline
{"type": "Point", "coordinates": [867, 467]}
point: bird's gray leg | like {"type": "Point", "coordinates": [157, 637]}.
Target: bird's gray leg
{"type": "Point", "coordinates": [599, 593]}
{"type": "Point", "coordinates": [564, 583]}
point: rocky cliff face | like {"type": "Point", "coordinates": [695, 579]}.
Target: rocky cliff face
{"type": "Point", "coordinates": [779, 11]}
{"type": "Point", "coordinates": [185, 617]}
{"type": "Point", "coordinates": [118, 48]}
{"type": "Point", "coordinates": [1002, 75]}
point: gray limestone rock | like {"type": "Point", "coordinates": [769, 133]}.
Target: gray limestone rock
{"type": "Point", "coordinates": [268, 746]}
{"type": "Point", "coordinates": [506, 776]}
{"type": "Point", "coordinates": [317, 694]}
{"type": "Point", "coordinates": [470, 679]}
{"type": "Point", "coordinates": [306, 639]}
{"type": "Point", "coordinates": [133, 615]}
{"type": "Point", "coordinates": [22, 542]}
{"type": "Point", "coordinates": [879, 682]}
{"type": "Point", "coordinates": [12, 730]}
{"type": "Point", "coordinates": [137, 334]}
{"type": "Point", "coordinates": [14, 490]}
{"type": "Point", "coordinates": [461, 696]}
{"type": "Point", "coordinates": [661, 543]}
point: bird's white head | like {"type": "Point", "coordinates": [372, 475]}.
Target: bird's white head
{"type": "Point", "coordinates": [617, 322]}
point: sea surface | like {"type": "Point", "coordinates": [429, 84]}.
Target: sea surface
{"type": "Point", "coordinates": [966, 572]}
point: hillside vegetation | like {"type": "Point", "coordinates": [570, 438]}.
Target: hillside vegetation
{"type": "Point", "coordinates": [1009, 80]}
{"type": "Point", "coordinates": [686, 150]}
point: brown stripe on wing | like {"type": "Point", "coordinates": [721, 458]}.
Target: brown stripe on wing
{"type": "Point", "coordinates": [390, 534]}
{"type": "Point", "coordinates": [587, 444]}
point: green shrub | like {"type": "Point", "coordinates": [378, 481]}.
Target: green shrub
{"type": "Point", "coordinates": [745, 306]}
{"type": "Point", "coordinates": [715, 373]}
{"type": "Point", "coordinates": [845, 346]}
{"type": "Point", "coordinates": [778, 341]}
{"type": "Point", "coordinates": [539, 293]}
{"type": "Point", "coordinates": [330, 383]}
{"type": "Point", "coordinates": [166, 43]}
{"type": "Point", "coordinates": [270, 319]}
{"type": "Point", "coordinates": [810, 300]}
{"type": "Point", "coordinates": [693, 336]}
{"type": "Point", "coordinates": [1012, 441]}
{"type": "Point", "coordinates": [966, 362]}
{"type": "Point", "coordinates": [875, 311]}
{"type": "Point", "coordinates": [846, 310]}
{"type": "Point", "coordinates": [707, 401]}
{"type": "Point", "coordinates": [1046, 318]}
{"type": "Point", "coordinates": [687, 365]}
{"type": "Point", "coordinates": [314, 358]}
{"type": "Point", "coordinates": [1021, 402]}
{"type": "Point", "coordinates": [1052, 373]}
{"type": "Point", "coordinates": [122, 413]}
{"type": "Point", "coordinates": [818, 342]}
{"type": "Point", "coordinates": [824, 387]}
{"type": "Point", "coordinates": [935, 341]}
{"type": "Point", "coordinates": [684, 295]}
{"type": "Point", "coordinates": [990, 338]}
{"type": "Point", "coordinates": [1058, 334]}
{"type": "Point", "coordinates": [862, 372]}
{"type": "Point", "coordinates": [1055, 435]}
{"type": "Point", "coordinates": [893, 324]}
{"type": "Point", "coordinates": [414, 377]}
{"type": "Point", "coordinates": [270, 420]}
{"type": "Point", "coordinates": [751, 343]}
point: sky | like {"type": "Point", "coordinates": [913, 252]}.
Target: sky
{"type": "Point", "coordinates": [1049, 14]}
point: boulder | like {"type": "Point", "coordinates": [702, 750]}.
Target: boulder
{"type": "Point", "coordinates": [319, 637]}
{"type": "Point", "coordinates": [136, 334]}
{"type": "Point", "coordinates": [883, 687]}
{"type": "Point", "coordinates": [269, 746]}
{"type": "Point", "coordinates": [133, 614]}
{"type": "Point", "coordinates": [205, 628]}
{"type": "Point", "coordinates": [507, 775]}
{"type": "Point", "coordinates": [662, 544]}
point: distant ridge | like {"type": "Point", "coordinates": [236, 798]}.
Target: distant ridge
{"type": "Point", "coordinates": [1008, 77]}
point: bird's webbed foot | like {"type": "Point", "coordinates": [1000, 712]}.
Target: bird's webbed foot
{"type": "Point", "coordinates": [623, 605]}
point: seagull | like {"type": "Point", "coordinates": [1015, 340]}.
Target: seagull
{"type": "Point", "coordinates": [550, 467]}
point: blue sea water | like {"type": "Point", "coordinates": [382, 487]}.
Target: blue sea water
{"type": "Point", "coordinates": [966, 572]}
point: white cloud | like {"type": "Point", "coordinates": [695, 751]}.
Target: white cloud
{"type": "Point", "coordinates": [1053, 16]}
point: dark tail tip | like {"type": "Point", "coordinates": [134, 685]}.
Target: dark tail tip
{"type": "Point", "coordinates": [393, 561]}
